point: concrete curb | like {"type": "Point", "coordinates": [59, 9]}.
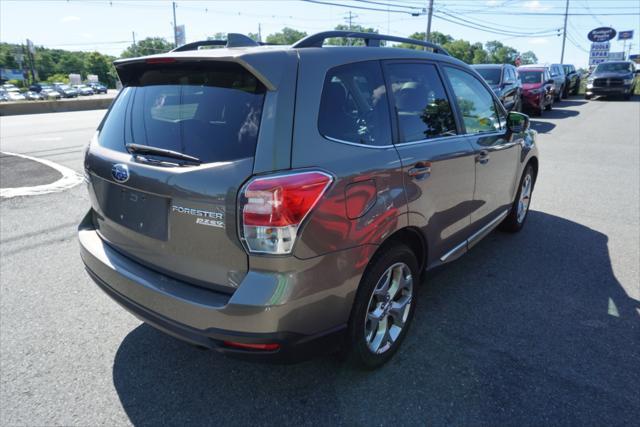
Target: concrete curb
{"type": "Point", "coordinates": [40, 107]}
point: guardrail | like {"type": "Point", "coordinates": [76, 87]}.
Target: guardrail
{"type": "Point", "coordinates": [58, 106]}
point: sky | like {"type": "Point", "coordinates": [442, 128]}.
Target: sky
{"type": "Point", "coordinates": [108, 26]}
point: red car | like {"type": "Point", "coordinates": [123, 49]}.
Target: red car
{"type": "Point", "coordinates": [537, 89]}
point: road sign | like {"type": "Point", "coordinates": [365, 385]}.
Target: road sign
{"type": "Point", "coordinates": [601, 34]}
{"type": "Point", "coordinates": [625, 35]}
{"type": "Point", "coordinates": [599, 52]}
{"type": "Point", "coordinates": [616, 56]}
{"type": "Point", "coordinates": [181, 37]}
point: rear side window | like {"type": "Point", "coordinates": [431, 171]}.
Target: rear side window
{"type": "Point", "coordinates": [354, 106]}
{"type": "Point", "coordinates": [210, 111]}
{"type": "Point", "coordinates": [421, 102]}
{"type": "Point", "coordinates": [475, 103]}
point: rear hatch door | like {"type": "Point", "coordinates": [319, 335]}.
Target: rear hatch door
{"type": "Point", "coordinates": [159, 205]}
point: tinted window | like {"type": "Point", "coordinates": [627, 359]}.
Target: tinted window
{"type": "Point", "coordinates": [474, 102]}
{"type": "Point", "coordinates": [421, 103]}
{"type": "Point", "coordinates": [615, 67]}
{"type": "Point", "coordinates": [354, 106]}
{"type": "Point", "coordinates": [208, 111]}
{"type": "Point", "coordinates": [491, 75]}
{"type": "Point", "coordinates": [531, 76]}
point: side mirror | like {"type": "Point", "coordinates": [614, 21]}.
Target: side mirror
{"type": "Point", "coordinates": [549, 82]}
{"type": "Point", "coordinates": [638, 71]}
{"type": "Point", "coordinates": [517, 122]}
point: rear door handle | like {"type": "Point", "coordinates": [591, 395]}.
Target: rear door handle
{"type": "Point", "coordinates": [421, 170]}
{"type": "Point", "coordinates": [483, 157]}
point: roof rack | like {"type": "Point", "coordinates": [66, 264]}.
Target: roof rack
{"type": "Point", "coordinates": [370, 40]}
{"type": "Point", "coordinates": [233, 40]}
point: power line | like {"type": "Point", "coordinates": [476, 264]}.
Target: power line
{"type": "Point", "coordinates": [348, 6]}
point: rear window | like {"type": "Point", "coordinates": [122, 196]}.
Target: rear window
{"type": "Point", "coordinates": [490, 75]}
{"type": "Point", "coordinates": [531, 76]}
{"type": "Point", "coordinates": [354, 105]}
{"type": "Point", "coordinates": [210, 111]}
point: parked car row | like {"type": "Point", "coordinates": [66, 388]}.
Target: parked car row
{"type": "Point", "coordinates": [50, 91]}
{"type": "Point", "coordinates": [536, 87]}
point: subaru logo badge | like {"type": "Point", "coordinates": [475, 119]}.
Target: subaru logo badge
{"type": "Point", "coordinates": [120, 172]}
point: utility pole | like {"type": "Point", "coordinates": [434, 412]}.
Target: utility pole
{"type": "Point", "coordinates": [564, 33]}
{"type": "Point", "coordinates": [259, 32]}
{"type": "Point", "coordinates": [349, 18]}
{"type": "Point", "coordinates": [430, 15]}
{"type": "Point", "coordinates": [175, 26]}
{"type": "Point", "coordinates": [135, 47]}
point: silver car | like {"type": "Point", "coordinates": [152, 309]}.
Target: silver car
{"type": "Point", "coordinates": [277, 202]}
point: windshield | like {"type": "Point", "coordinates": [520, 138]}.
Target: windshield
{"type": "Point", "coordinates": [531, 76]}
{"type": "Point", "coordinates": [491, 75]}
{"type": "Point", "coordinates": [614, 67]}
{"type": "Point", "coordinates": [211, 112]}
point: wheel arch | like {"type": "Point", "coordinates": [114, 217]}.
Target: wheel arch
{"type": "Point", "coordinates": [411, 237]}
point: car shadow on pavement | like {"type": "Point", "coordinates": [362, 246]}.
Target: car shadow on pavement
{"type": "Point", "coordinates": [526, 329]}
{"type": "Point", "coordinates": [569, 103]}
{"type": "Point", "coordinates": [540, 126]}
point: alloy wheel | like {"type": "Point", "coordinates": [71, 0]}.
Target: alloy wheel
{"type": "Point", "coordinates": [525, 198]}
{"type": "Point", "coordinates": [389, 308]}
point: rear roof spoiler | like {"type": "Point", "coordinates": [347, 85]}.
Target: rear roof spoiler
{"type": "Point", "coordinates": [233, 40]}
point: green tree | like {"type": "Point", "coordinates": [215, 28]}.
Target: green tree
{"type": "Point", "coordinates": [343, 41]}
{"type": "Point", "coordinates": [480, 56]}
{"type": "Point", "coordinates": [148, 46]}
{"type": "Point", "coordinates": [101, 65]}
{"type": "Point", "coordinates": [435, 37]}
{"type": "Point", "coordinates": [499, 53]}
{"type": "Point", "coordinates": [7, 55]}
{"type": "Point", "coordinates": [286, 36]}
{"type": "Point", "coordinates": [528, 57]}
{"type": "Point", "coordinates": [460, 49]}
{"type": "Point", "coordinates": [71, 62]}
{"type": "Point", "coordinates": [57, 78]}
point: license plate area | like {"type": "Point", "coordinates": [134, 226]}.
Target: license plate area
{"type": "Point", "coordinates": [139, 211]}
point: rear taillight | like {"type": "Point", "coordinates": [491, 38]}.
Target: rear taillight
{"type": "Point", "coordinates": [272, 209]}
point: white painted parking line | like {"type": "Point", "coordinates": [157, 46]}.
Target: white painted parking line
{"type": "Point", "coordinates": [69, 179]}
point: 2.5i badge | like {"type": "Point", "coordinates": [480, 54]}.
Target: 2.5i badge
{"type": "Point", "coordinates": [210, 218]}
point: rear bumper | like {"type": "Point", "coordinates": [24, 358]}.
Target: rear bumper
{"type": "Point", "coordinates": [302, 317]}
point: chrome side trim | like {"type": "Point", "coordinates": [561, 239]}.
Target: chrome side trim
{"type": "Point", "coordinates": [404, 144]}
{"type": "Point", "coordinates": [455, 252]}
{"type": "Point", "coordinates": [478, 235]}
{"type": "Point", "coordinates": [474, 238]}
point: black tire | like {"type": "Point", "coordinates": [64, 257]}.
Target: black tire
{"type": "Point", "coordinates": [356, 348]}
{"type": "Point", "coordinates": [513, 224]}
{"type": "Point", "coordinates": [627, 96]}
{"type": "Point", "coordinates": [518, 106]}
{"type": "Point", "coordinates": [576, 88]}
{"type": "Point", "coordinates": [587, 96]}
{"type": "Point", "coordinates": [549, 106]}
{"type": "Point", "coordinates": [558, 95]}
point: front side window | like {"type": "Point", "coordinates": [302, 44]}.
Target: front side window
{"type": "Point", "coordinates": [475, 103]}
{"type": "Point", "coordinates": [421, 103]}
{"type": "Point", "coordinates": [354, 106]}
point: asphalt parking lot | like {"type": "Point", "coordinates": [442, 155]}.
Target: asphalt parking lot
{"type": "Point", "coordinates": [538, 328]}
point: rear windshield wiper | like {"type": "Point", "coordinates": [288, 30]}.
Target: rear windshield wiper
{"type": "Point", "coordinates": [147, 149]}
